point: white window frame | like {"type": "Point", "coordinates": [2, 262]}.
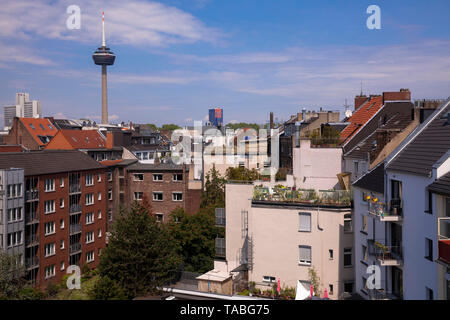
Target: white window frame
{"type": "Point", "coordinates": [90, 239]}
{"type": "Point", "coordinates": [49, 206]}
{"type": "Point", "coordinates": [138, 193]}
{"type": "Point", "coordinates": [304, 214]}
{"type": "Point", "coordinates": [50, 249]}
{"type": "Point", "coordinates": [87, 196]}
{"type": "Point", "coordinates": [90, 256]}
{"type": "Point", "coordinates": [304, 262]}
{"type": "Point", "coordinates": [158, 174]}
{"type": "Point", "coordinates": [138, 174]}
{"type": "Point", "coordinates": [49, 185]}
{"type": "Point", "coordinates": [89, 179]}
{"type": "Point", "coordinates": [49, 228]}
{"type": "Point", "coordinates": [89, 218]}
{"type": "Point", "coordinates": [177, 193]}
{"type": "Point", "coordinates": [158, 192]}
{"type": "Point", "coordinates": [50, 271]}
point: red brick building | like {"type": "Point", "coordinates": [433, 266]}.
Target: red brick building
{"type": "Point", "coordinates": [65, 211]}
{"type": "Point", "coordinates": [32, 133]}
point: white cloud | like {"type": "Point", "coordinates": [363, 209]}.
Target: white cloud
{"type": "Point", "coordinates": [136, 22]}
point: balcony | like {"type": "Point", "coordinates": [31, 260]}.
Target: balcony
{"type": "Point", "coordinates": [444, 241]}
{"type": "Point", "coordinates": [75, 228]}
{"type": "Point", "coordinates": [32, 195]}
{"type": "Point", "coordinates": [386, 255]}
{"type": "Point", "coordinates": [31, 217]}
{"type": "Point", "coordinates": [32, 240]}
{"type": "Point", "coordinates": [31, 263]}
{"type": "Point", "coordinates": [381, 294]}
{"type": "Point", "coordinates": [341, 198]}
{"type": "Point", "coordinates": [220, 248]}
{"type": "Point", "coordinates": [75, 248]}
{"type": "Point", "coordinates": [75, 208]}
{"type": "Point", "coordinates": [381, 211]}
{"type": "Point", "coordinates": [220, 217]}
{"type": "Point", "coordinates": [74, 188]}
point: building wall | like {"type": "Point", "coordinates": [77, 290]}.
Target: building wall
{"type": "Point", "coordinates": [443, 276]}
{"type": "Point", "coordinates": [275, 236]}
{"type": "Point", "coordinates": [316, 168]}
{"type": "Point", "coordinates": [19, 135]}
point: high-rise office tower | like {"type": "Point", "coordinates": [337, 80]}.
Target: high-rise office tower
{"type": "Point", "coordinates": [24, 108]}
{"type": "Point", "coordinates": [104, 57]}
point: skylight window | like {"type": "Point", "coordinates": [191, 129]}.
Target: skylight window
{"type": "Point", "coordinates": [50, 126]}
{"type": "Point", "coordinates": [42, 127]}
{"type": "Point", "coordinates": [32, 127]}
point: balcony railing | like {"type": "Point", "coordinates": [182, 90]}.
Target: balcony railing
{"type": "Point", "coordinates": [289, 195]}
{"type": "Point", "coordinates": [220, 217]}
{"type": "Point", "coordinates": [31, 240]}
{"type": "Point", "coordinates": [75, 248]}
{"type": "Point", "coordinates": [31, 217]}
{"type": "Point", "coordinates": [220, 248]}
{"type": "Point", "coordinates": [444, 240]}
{"type": "Point", "coordinates": [387, 255]}
{"type": "Point", "coordinates": [31, 195]}
{"type": "Point", "coordinates": [380, 210]}
{"type": "Point", "coordinates": [75, 228]}
{"type": "Point", "coordinates": [381, 294]}
{"type": "Point", "coordinates": [75, 208]}
{"type": "Point", "coordinates": [74, 188]}
{"type": "Point", "coordinates": [32, 262]}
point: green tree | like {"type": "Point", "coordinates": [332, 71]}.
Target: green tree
{"type": "Point", "coordinates": [152, 126]}
{"type": "Point", "coordinates": [12, 276]}
{"type": "Point", "coordinates": [242, 174]}
{"type": "Point", "coordinates": [141, 253]}
{"type": "Point", "coordinates": [315, 281]}
{"type": "Point", "coordinates": [107, 289]}
{"type": "Point", "coordinates": [170, 127]}
{"type": "Point", "coordinates": [213, 195]}
{"type": "Point", "coordinates": [195, 236]}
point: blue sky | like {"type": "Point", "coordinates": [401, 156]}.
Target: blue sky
{"type": "Point", "coordinates": [177, 58]}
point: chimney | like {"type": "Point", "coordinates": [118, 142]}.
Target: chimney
{"type": "Point", "coordinates": [109, 140]}
{"type": "Point", "coordinates": [359, 100]}
{"type": "Point", "coordinates": [271, 120]}
{"type": "Point", "coordinates": [402, 95]}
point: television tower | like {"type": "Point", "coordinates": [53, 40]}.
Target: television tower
{"type": "Point", "coordinates": [104, 57]}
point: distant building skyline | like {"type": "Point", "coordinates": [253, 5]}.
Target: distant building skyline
{"type": "Point", "coordinates": [24, 108]}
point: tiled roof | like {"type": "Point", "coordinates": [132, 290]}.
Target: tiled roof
{"type": "Point", "coordinates": [48, 161]}
{"type": "Point", "coordinates": [441, 185]}
{"type": "Point", "coordinates": [372, 180]}
{"type": "Point", "coordinates": [39, 128]}
{"type": "Point", "coordinates": [430, 143]}
{"type": "Point", "coordinates": [81, 139]}
{"type": "Point", "coordinates": [366, 111]}
{"type": "Point", "coordinates": [155, 167]}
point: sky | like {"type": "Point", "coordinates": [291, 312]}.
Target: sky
{"type": "Point", "coordinates": [175, 59]}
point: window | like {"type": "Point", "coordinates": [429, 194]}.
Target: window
{"type": "Point", "coordinates": [49, 271]}
{"type": "Point", "coordinates": [157, 196]}
{"type": "Point", "coordinates": [305, 255]}
{"type": "Point", "coordinates": [145, 156]}
{"type": "Point", "coordinates": [99, 214]}
{"type": "Point", "coordinates": [110, 175]}
{"type": "Point", "coordinates": [364, 283]}
{"type": "Point", "coordinates": [331, 289]}
{"type": "Point", "coordinates": [347, 257]}
{"type": "Point", "coordinates": [430, 203]}
{"type": "Point", "coordinates": [364, 224]}
{"type": "Point", "coordinates": [99, 233]}
{"type": "Point", "coordinates": [49, 185]}
{"type": "Point", "coordinates": [110, 194]}
{"type": "Point", "coordinates": [110, 216]}
{"type": "Point", "coordinates": [14, 239]}
{"type": "Point", "coordinates": [429, 249]}
{"type": "Point", "coordinates": [61, 183]}
{"type": "Point", "coordinates": [177, 177]}
{"type": "Point", "coordinates": [14, 190]}
{"type": "Point", "coordinates": [61, 244]}
{"type": "Point", "coordinates": [61, 203]}
{"type": "Point", "coordinates": [89, 179]}
{"type": "Point", "coordinates": [99, 177]}
{"type": "Point", "coordinates": [304, 222]}
{"type": "Point", "coordinates": [356, 167]}
{"type": "Point", "coordinates": [99, 196]}
{"type": "Point", "coordinates": [348, 222]}
{"type": "Point", "coordinates": [49, 206]}
{"type": "Point", "coordinates": [348, 286]}
{"type": "Point", "coordinates": [61, 224]}
{"type": "Point", "coordinates": [364, 253]}
{"type": "Point", "coordinates": [429, 293]}
{"type": "Point", "coordinates": [89, 237]}
{"type": "Point", "coordinates": [157, 177]}
{"type": "Point", "coordinates": [138, 177]}
{"type": "Point", "coordinates": [331, 254]}
{"type": "Point", "coordinates": [159, 217]}
{"type": "Point", "coordinates": [49, 249]}
{"type": "Point", "coordinates": [89, 199]}
{"type": "Point", "coordinates": [268, 279]}
{"type": "Point", "coordinates": [62, 266]}
{"type": "Point", "coordinates": [177, 196]}
{"type": "Point", "coordinates": [90, 256]}
{"type": "Point", "coordinates": [89, 218]}
{"type": "Point", "coordinates": [139, 155]}
{"type": "Point", "coordinates": [14, 214]}
{"type": "Point", "coordinates": [138, 195]}
{"type": "Point", "coordinates": [49, 228]}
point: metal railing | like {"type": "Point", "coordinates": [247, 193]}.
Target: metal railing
{"type": "Point", "coordinates": [74, 248]}
{"type": "Point", "coordinates": [75, 208]}
{"type": "Point", "coordinates": [381, 294]}
{"type": "Point", "coordinates": [31, 217]}
{"type": "Point", "coordinates": [75, 228]}
{"type": "Point", "coordinates": [31, 240]}
{"type": "Point", "coordinates": [384, 252]}
{"type": "Point", "coordinates": [74, 188]}
{"type": "Point", "coordinates": [396, 207]}
{"type": "Point", "coordinates": [32, 262]}
{"type": "Point", "coordinates": [308, 196]}
{"type": "Point", "coordinates": [220, 248]}
{"type": "Point", "coordinates": [31, 195]}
